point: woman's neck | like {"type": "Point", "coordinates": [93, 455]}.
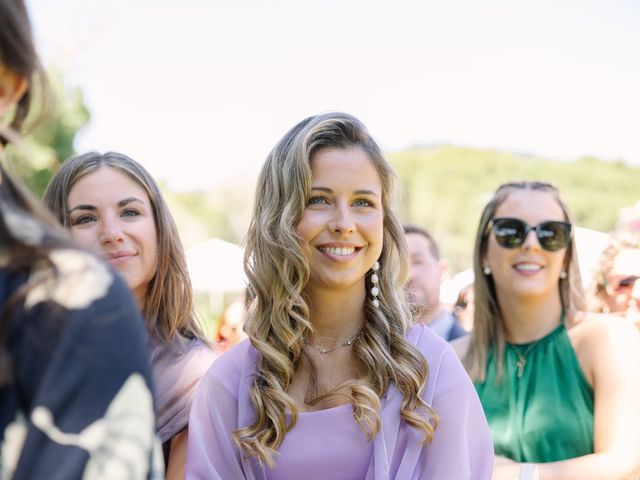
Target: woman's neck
{"type": "Point", "coordinates": [530, 320]}
{"type": "Point", "coordinates": [335, 315]}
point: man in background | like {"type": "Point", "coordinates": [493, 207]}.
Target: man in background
{"type": "Point", "coordinates": [427, 270]}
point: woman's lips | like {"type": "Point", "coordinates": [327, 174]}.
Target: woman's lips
{"type": "Point", "coordinates": [340, 253]}
{"type": "Point", "coordinates": [527, 268]}
{"type": "Point", "coordinates": [119, 258]}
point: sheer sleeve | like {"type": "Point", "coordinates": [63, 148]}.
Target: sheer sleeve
{"type": "Point", "coordinates": [211, 453]}
{"type": "Point", "coordinates": [462, 446]}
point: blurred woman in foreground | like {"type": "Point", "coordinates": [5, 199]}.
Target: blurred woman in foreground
{"type": "Point", "coordinates": [75, 398]}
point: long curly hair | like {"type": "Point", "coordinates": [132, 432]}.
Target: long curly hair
{"type": "Point", "coordinates": [488, 327]}
{"type": "Point", "coordinates": [168, 308]}
{"type": "Point", "coordinates": [279, 319]}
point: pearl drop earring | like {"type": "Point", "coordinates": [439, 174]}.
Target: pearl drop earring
{"type": "Point", "coordinates": [375, 291]}
{"type": "Point", "coordinates": [486, 271]}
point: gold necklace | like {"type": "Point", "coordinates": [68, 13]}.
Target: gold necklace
{"type": "Point", "coordinates": [522, 356]}
{"type": "Point", "coordinates": [324, 351]}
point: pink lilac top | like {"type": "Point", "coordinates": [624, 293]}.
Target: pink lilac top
{"type": "Point", "coordinates": [328, 443]}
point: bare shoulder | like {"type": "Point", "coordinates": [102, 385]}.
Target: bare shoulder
{"type": "Point", "coordinates": [601, 341]}
{"type": "Point", "coordinates": [588, 329]}
{"type": "Point", "coordinates": [461, 346]}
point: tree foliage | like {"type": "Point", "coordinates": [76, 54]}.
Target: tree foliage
{"type": "Point", "coordinates": [53, 125]}
{"type": "Point", "coordinates": [446, 187]}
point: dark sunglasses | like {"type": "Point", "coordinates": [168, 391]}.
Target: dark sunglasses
{"type": "Point", "coordinates": [512, 232]}
{"type": "Point", "coordinates": [618, 284]}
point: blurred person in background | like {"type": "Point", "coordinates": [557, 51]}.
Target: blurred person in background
{"type": "Point", "coordinates": [334, 380]}
{"type": "Point", "coordinates": [427, 270]}
{"type": "Point", "coordinates": [464, 306]}
{"type": "Point", "coordinates": [230, 326]}
{"type": "Point", "coordinates": [617, 277]}
{"type": "Point", "coordinates": [113, 206]}
{"type": "Point", "coordinates": [75, 378]}
{"type": "Point", "coordinates": [558, 385]}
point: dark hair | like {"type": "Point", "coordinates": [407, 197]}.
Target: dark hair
{"type": "Point", "coordinates": [18, 54]}
{"type": "Point", "coordinates": [27, 232]}
{"type": "Point", "coordinates": [433, 246]}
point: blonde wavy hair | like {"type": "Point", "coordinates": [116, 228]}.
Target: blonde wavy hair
{"type": "Point", "coordinates": [278, 321]}
{"type": "Point", "coordinates": [488, 328]}
{"type": "Point", "coordinates": [168, 309]}
{"type": "Point", "coordinates": [618, 242]}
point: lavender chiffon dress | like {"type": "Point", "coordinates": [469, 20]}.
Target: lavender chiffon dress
{"type": "Point", "coordinates": [461, 448]}
{"type": "Point", "coordinates": [177, 371]}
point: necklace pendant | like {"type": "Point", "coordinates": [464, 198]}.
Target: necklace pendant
{"type": "Point", "coordinates": [520, 364]}
{"type": "Point", "coordinates": [323, 350]}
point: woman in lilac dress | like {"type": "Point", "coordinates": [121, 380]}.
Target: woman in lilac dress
{"type": "Point", "coordinates": [113, 206]}
{"type": "Point", "coordinates": [334, 381]}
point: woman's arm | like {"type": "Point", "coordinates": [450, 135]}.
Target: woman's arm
{"type": "Point", "coordinates": [177, 456]}
{"type": "Point", "coordinates": [462, 447]}
{"type": "Point", "coordinates": [211, 452]}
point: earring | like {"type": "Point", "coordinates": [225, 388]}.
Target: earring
{"type": "Point", "coordinates": [486, 271]}
{"type": "Point", "coordinates": [563, 275]}
{"type": "Point", "coordinates": [375, 290]}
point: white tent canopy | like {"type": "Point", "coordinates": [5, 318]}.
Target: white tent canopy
{"type": "Point", "coordinates": [215, 266]}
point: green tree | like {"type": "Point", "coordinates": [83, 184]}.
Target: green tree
{"type": "Point", "coordinates": [446, 187]}
{"type": "Point", "coordinates": [54, 125]}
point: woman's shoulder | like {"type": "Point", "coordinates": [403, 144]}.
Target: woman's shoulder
{"type": "Point", "coordinates": [428, 342]}
{"type": "Point", "coordinates": [230, 368]}
{"type": "Point", "coordinates": [590, 328]}
{"type": "Point", "coordinates": [445, 370]}
{"type": "Point", "coordinates": [602, 340]}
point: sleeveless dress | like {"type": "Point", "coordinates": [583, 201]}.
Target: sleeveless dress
{"type": "Point", "coordinates": [541, 411]}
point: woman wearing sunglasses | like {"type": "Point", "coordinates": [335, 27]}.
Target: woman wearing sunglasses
{"type": "Point", "coordinates": [617, 279]}
{"type": "Point", "coordinates": [558, 385]}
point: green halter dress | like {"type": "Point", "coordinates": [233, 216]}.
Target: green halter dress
{"type": "Point", "coordinates": [542, 410]}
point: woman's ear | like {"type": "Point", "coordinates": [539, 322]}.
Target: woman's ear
{"type": "Point", "coordinates": [12, 87]}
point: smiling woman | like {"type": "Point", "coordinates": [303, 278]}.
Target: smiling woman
{"type": "Point", "coordinates": [557, 383]}
{"type": "Point", "coordinates": [110, 213]}
{"type": "Point", "coordinates": [113, 207]}
{"type": "Point", "coordinates": [334, 381]}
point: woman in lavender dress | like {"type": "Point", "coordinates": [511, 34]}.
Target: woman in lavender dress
{"type": "Point", "coordinates": [112, 206]}
{"type": "Point", "coordinates": [334, 381]}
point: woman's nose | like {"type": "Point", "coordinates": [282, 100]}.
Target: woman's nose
{"type": "Point", "coordinates": [110, 232]}
{"type": "Point", "coordinates": [531, 241]}
{"type": "Point", "coordinates": [342, 221]}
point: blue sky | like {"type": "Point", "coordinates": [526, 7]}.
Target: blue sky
{"type": "Point", "coordinates": [200, 91]}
